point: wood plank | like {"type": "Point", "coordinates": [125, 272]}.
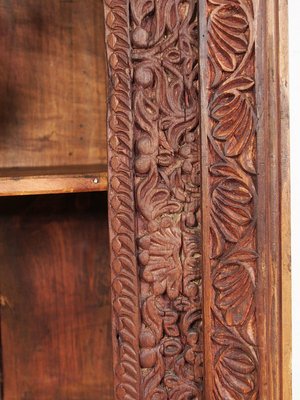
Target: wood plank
{"type": "Point", "coordinates": [18, 182]}
{"type": "Point", "coordinates": [54, 277]}
{"type": "Point", "coordinates": [52, 83]}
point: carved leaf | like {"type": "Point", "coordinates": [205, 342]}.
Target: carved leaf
{"type": "Point", "coordinates": [164, 266]}
{"type": "Point", "coordinates": [234, 113]}
{"type": "Point", "coordinates": [235, 375]}
{"type": "Point", "coordinates": [227, 35]}
{"type": "Point", "coordinates": [235, 292]}
{"type": "Point", "coordinates": [224, 336]}
{"type": "Point", "coordinates": [151, 314]}
{"type": "Point", "coordinates": [154, 200]}
{"type": "Point", "coordinates": [141, 8]}
{"type": "Point", "coordinates": [230, 212]}
{"type": "Point", "coordinates": [247, 158]}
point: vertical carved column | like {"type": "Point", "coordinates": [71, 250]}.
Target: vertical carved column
{"type": "Point", "coordinates": [124, 273]}
{"type": "Point", "coordinates": [229, 170]}
{"type": "Point", "coordinates": [154, 198]}
{"type": "Point", "coordinates": [167, 186]}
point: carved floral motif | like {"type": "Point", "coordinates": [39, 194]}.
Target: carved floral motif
{"type": "Point", "coordinates": [155, 198]}
{"type": "Point", "coordinates": [167, 180]}
{"type": "Point", "coordinates": [232, 188]}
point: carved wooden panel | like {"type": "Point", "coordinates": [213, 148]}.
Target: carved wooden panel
{"type": "Point", "coordinates": [167, 187]}
{"type": "Point", "coordinates": [194, 158]}
{"type": "Point", "coordinates": [230, 197]}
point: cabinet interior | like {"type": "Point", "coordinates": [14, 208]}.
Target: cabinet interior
{"type": "Point", "coordinates": [54, 270]}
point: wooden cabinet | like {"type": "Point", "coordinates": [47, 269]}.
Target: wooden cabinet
{"type": "Point", "coordinates": [159, 270]}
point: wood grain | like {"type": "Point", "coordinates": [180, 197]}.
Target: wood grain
{"type": "Point", "coordinates": [198, 202]}
{"type": "Point", "coordinates": [49, 180]}
{"type": "Point", "coordinates": [52, 83]}
{"type": "Point", "coordinates": [54, 277]}
{"type": "Point", "coordinates": [278, 311]}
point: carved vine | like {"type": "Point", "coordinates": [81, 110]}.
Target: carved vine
{"type": "Point", "coordinates": [232, 182]}
{"type": "Point", "coordinates": [164, 38]}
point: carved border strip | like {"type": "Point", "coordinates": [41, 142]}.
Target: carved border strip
{"type": "Point", "coordinates": [153, 125]}
{"type": "Point", "coordinates": [229, 168]}
{"type": "Point", "coordinates": [124, 274]}
{"type": "Point", "coordinates": [245, 204]}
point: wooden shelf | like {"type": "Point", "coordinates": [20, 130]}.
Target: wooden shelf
{"type": "Point", "coordinates": [53, 180]}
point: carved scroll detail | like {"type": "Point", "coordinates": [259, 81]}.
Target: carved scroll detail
{"type": "Point", "coordinates": [164, 37]}
{"type": "Point", "coordinates": [232, 192]}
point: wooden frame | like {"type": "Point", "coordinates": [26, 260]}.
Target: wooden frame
{"type": "Point", "coordinates": [199, 198]}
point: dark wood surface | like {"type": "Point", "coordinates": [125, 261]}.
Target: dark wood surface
{"type": "Point", "coordinates": [52, 83]}
{"type": "Point", "coordinates": [54, 285]}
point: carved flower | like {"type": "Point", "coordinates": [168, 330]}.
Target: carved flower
{"type": "Point", "coordinates": [234, 284]}
{"type": "Point", "coordinates": [227, 36]}
{"type": "Point", "coordinates": [231, 212]}
{"type": "Point", "coordinates": [171, 347]}
{"type": "Point", "coordinates": [163, 266]}
{"type": "Point", "coordinates": [233, 111]}
{"type": "Point", "coordinates": [235, 376]}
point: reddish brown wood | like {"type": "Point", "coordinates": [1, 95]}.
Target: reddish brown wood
{"type": "Point", "coordinates": [245, 215]}
{"type": "Point", "coordinates": [49, 180]}
{"type": "Point", "coordinates": [124, 273]}
{"type": "Point", "coordinates": [198, 200]}
{"type": "Point", "coordinates": [52, 83]}
{"type": "Point", "coordinates": [229, 169]}
{"type": "Point", "coordinates": [155, 52]}
{"type": "Point", "coordinates": [158, 348]}
{"type": "Point", "coordinates": [55, 314]}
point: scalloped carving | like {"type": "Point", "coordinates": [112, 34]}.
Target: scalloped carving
{"type": "Point", "coordinates": [232, 199]}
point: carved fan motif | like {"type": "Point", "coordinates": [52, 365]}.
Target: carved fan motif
{"type": "Point", "coordinates": [232, 183]}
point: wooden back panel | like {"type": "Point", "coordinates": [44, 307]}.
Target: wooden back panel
{"type": "Point", "coordinates": [52, 83]}
{"type": "Point", "coordinates": [54, 285]}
